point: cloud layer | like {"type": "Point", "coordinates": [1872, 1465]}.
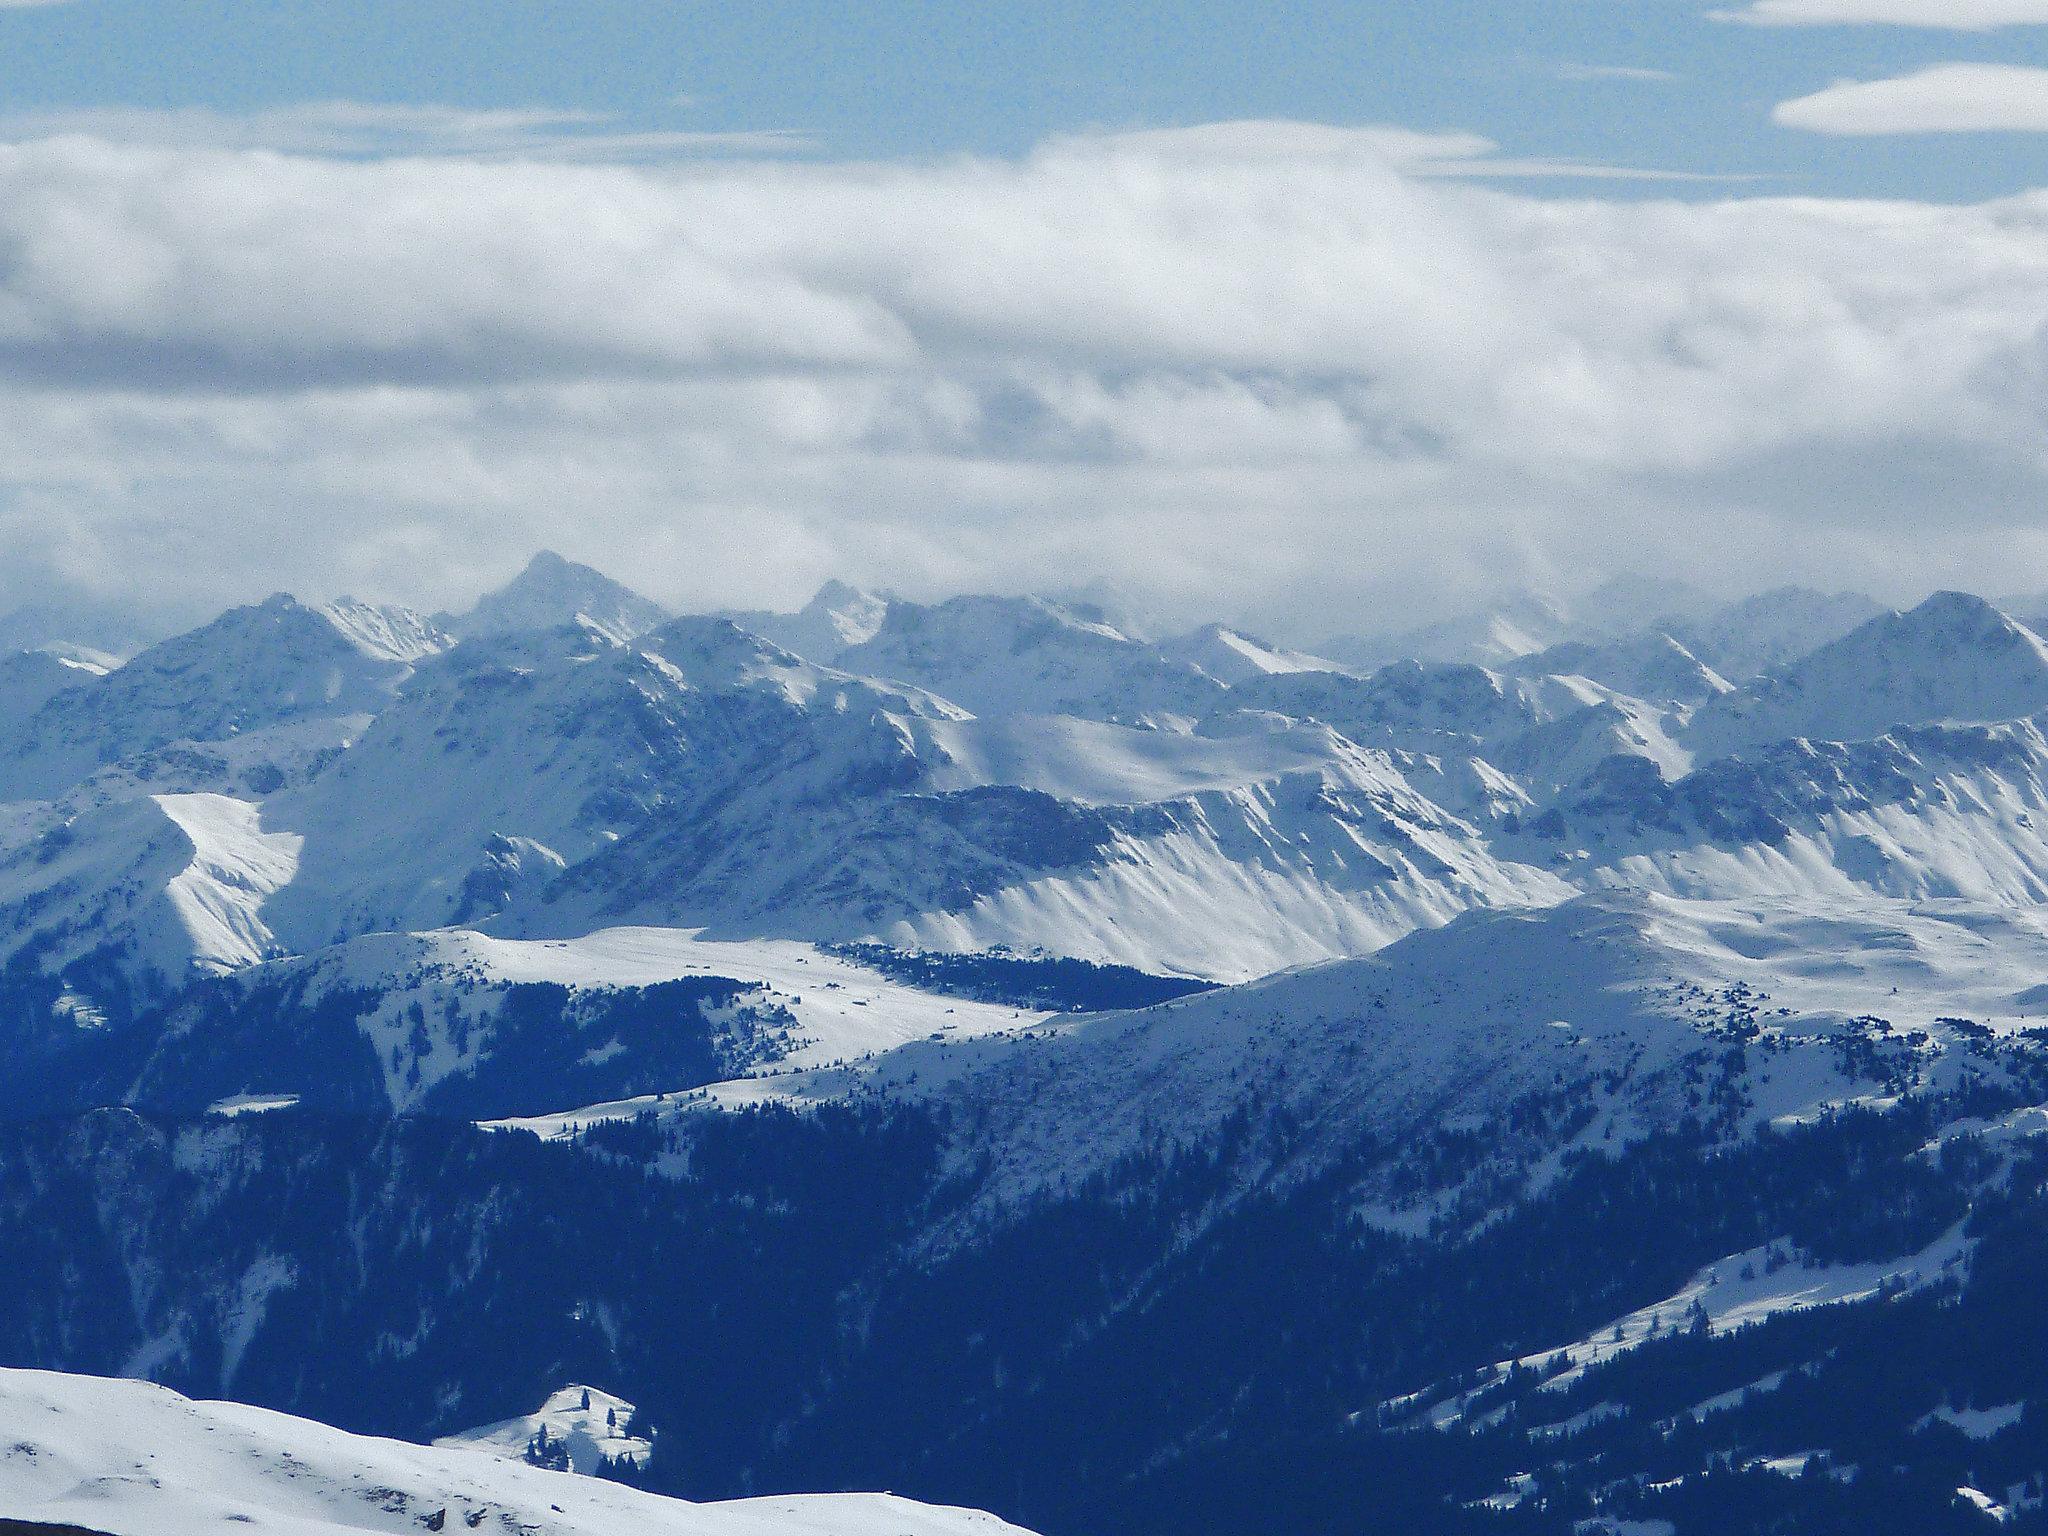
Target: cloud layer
{"type": "Point", "coordinates": [1945, 98]}
{"type": "Point", "coordinates": [1268, 369]}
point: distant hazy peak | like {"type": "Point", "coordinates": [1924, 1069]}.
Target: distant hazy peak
{"type": "Point", "coordinates": [552, 591]}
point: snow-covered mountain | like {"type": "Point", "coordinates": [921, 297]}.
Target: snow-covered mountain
{"type": "Point", "coordinates": [1563, 1001]}
{"type": "Point", "coordinates": [278, 663]}
{"type": "Point", "coordinates": [1231, 656]}
{"type": "Point", "coordinates": [80, 628]}
{"type": "Point", "coordinates": [457, 1022]}
{"type": "Point", "coordinates": [1408, 706]}
{"type": "Point", "coordinates": [1010, 656]}
{"type": "Point", "coordinates": [293, 777]}
{"type": "Point", "coordinates": [1770, 629]}
{"type": "Point", "coordinates": [551, 592]}
{"type": "Point", "coordinates": [125, 1458]}
{"type": "Point", "coordinates": [1649, 665]}
{"type": "Point", "coordinates": [1520, 624]}
{"type": "Point", "coordinates": [836, 619]}
{"type": "Point", "coordinates": [1622, 1004]}
{"type": "Point", "coordinates": [1927, 812]}
{"type": "Point", "coordinates": [1953, 658]}
{"type": "Point", "coordinates": [29, 679]}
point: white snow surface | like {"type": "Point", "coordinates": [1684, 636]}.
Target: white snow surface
{"type": "Point", "coordinates": [1953, 658]}
{"type": "Point", "coordinates": [1231, 656]}
{"type": "Point", "coordinates": [131, 1459]}
{"type": "Point", "coordinates": [1452, 1025]}
{"type": "Point", "coordinates": [843, 1009]}
{"type": "Point", "coordinates": [235, 865]}
{"type": "Point", "coordinates": [587, 1434]}
{"type": "Point", "coordinates": [1025, 655]}
{"type": "Point", "coordinates": [1097, 763]}
{"type": "Point", "coordinates": [171, 883]}
{"type": "Point", "coordinates": [1728, 1294]}
{"type": "Point", "coordinates": [429, 997]}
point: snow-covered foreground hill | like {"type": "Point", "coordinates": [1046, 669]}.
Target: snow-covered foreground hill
{"type": "Point", "coordinates": [129, 1459]}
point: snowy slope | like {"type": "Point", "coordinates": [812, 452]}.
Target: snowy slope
{"type": "Point", "coordinates": [585, 1424]}
{"type": "Point", "coordinates": [386, 630]}
{"type": "Point", "coordinates": [1731, 1293]}
{"type": "Point", "coordinates": [1935, 811]}
{"type": "Point", "coordinates": [1231, 656]}
{"type": "Point", "coordinates": [1333, 857]}
{"type": "Point", "coordinates": [837, 618]}
{"type": "Point", "coordinates": [277, 662]}
{"type": "Point", "coordinates": [1771, 629]}
{"type": "Point", "coordinates": [1651, 666]}
{"type": "Point", "coordinates": [29, 679]}
{"type": "Point", "coordinates": [513, 757]}
{"type": "Point", "coordinates": [551, 592]}
{"type": "Point", "coordinates": [1953, 658]}
{"type": "Point", "coordinates": [1005, 656]}
{"type": "Point", "coordinates": [130, 1459]}
{"type": "Point", "coordinates": [1625, 1004]}
{"type": "Point", "coordinates": [1520, 624]}
{"type": "Point", "coordinates": [1095, 763]}
{"type": "Point", "coordinates": [458, 1022]}
{"type": "Point", "coordinates": [162, 887]}
{"type": "Point", "coordinates": [1411, 706]}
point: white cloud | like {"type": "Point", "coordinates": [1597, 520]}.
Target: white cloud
{"type": "Point", "coordinates": [1280, 370]}
{"type": "Point", "coordinates": [1946, 98]}
{"type": "Point", "coordinates": [1941, 15]}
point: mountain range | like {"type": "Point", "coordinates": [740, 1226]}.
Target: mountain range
{"type": "Point", "coordinates": [1578, 1068]}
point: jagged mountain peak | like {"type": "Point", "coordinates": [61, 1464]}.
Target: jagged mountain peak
{"type": "Point", "coordinates": [1232, 656]}
{"type": "Point", "coordinates": [837, 616]}
{"type": "Point", "coordinates": [1954, 657]}
{"type": "Point", "coordinates": [386, 629]}
{"type": "Point", "coordinates": [998, 655]}
{"type": "Point", "coordinates": [551, 591]}
{"type": "Point", "coordinates": [1652, 665]}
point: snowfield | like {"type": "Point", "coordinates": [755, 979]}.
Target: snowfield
{"type": "Point", "coordinates": [130, 1459]}
{"type": "Point", "coordinates": [843, 1009]}
{"type": "Point", "coordinates": [587, 1424]}
{"type": "Point", "coordinates": [1617, 999]}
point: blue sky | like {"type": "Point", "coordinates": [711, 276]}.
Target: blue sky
{"type": "Point", "coordinates": [913, 77]}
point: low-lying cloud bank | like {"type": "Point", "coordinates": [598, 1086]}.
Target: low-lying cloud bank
{"type": "Point", "coordinates": [1278, 368]}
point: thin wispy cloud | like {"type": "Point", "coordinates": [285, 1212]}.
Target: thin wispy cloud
{"type": "Point", "coordinates": [358, 128]}
{"type": "Point", "coordinates": [1945, 98]}
{"type": "Point", "coordinates": [1934, 15]}
{"type": "Point", "coordinates": [1623, 72]}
